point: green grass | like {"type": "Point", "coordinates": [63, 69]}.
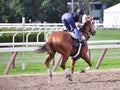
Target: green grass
{"type": "Point", "coordinates": [35, 62]}
{"type": "Point", "coordinates": [106, 35]}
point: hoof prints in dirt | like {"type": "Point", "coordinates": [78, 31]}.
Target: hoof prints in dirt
{"type": "Point", "coordinates": [100, 80]}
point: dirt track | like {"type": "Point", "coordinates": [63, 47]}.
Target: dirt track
{"type": "Point", "coordinates": [97, 80]}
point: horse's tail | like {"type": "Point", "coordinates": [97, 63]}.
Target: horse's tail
{"type": "Point", "coordinates": [44, 48]}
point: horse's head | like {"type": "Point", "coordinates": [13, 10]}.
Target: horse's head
{"type": "Point", "coordinates": [89, 27]}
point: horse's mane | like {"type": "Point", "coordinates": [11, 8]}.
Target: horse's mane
{"type": "Point", "coordinates": [84, 26]}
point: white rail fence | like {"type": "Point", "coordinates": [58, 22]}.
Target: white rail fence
{"type": "Point", "coordinates": [29, 25]}
{"type": "Point", "coordinates": [29, 28]}
{"type": "Point", "coordinates": [26, 29]}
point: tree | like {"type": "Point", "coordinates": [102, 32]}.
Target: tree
{"type": "Point", "coordinates": [110, 2]}
{"type": "Point", "coordinates": [52, 10]}
{"type": "Point", "coordinates": [4, 10]}
{"type": "Point", "coordinates": [25, 8]}
{"type": "Point", "coordinates": [36, 10]}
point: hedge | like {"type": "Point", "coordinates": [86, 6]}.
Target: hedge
{"type": "Point", "coordinates": [19, 37]}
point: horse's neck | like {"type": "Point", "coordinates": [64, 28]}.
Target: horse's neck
{"type": "Point", "coordinates": [86, 35]}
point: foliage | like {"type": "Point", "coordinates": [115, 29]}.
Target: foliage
{"type": "Point", "coordinates": [50, 8]}
{"type": "Point", "coordinates": [4, 10]}
{"type": "Point", "coordinates": [110, 2]}
{"type": "Point", "coordinates": [19, 37]}
{"type": "Point", "coordinates": [38, 10]}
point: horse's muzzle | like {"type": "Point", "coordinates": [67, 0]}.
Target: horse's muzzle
{"type": "Point", "coordinates": [93, 32]}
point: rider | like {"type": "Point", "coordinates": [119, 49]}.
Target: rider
{"type": "Point", "coordinates": [81, 18]}
{"type": "Point", "coordinates": [69, 20]}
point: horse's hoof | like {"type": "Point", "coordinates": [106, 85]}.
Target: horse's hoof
{"type": "Point", "coordinates": [82, 71]}
{"type": "Point", "coordinates": [50, 77]}
{"type": "Point", "coordinates": [66, 76]}
{"type": "Point", "coordinates": [69, 77]}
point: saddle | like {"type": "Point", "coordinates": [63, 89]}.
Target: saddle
{"type": "Point", "coordinates": [76, 44]}
{"type": "Point", "coordinates": [75, 41]}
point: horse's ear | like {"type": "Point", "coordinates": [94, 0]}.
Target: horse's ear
{"type": "Point", "coordinates": [87, 19]}
{"type": "Point", "coordinates": [91, 18]}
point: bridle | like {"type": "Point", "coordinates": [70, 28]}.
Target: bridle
{"type": "Point", "coordinates": [91, 32]}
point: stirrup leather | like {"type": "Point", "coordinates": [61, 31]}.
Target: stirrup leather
{"type": "Point", "coordinates": [78, 51]}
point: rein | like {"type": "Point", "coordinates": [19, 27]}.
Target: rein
{"type": "Point", "coordinates": [87, 33]}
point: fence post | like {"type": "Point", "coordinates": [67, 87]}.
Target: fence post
{"type": "Point", "coordinates": [101, 58]}
{"type": "Point", "coordinates": [10, 63]}
{"type": "Point", "coordinates": [23, 63]}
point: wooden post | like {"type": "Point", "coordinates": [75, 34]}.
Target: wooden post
{"type": "Point", "coordinates": [13, 64]}
{"type": "Point", "coordinates": [12, 59]}
{"type": "Point", "coordinates": [101, 58]}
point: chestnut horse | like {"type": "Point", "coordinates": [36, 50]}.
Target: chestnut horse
{"type": "Point", "coordinates": [62, 43]}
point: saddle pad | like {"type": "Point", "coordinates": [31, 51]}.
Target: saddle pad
{"type": "Point", "coordinates": [72, 34]}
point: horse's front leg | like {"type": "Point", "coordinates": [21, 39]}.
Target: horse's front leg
{"type": "Point", "coordinates": [72, 65]}
{"type": "Point", "coordinates": [87, 59]}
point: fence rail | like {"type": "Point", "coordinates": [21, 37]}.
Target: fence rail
{"type": "Point", "coordinates": [29, 25]}
{"type": "Point", "coordinates": [30, 46]}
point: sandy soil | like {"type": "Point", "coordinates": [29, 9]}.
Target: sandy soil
{"type": "Point", "coordinates": [93, 80]}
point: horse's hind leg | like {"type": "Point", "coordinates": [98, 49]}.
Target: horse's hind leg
{"type": "Point", "coordinates": [63, 63]}
{"type": "Point", "coordinates": [47, 61]}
